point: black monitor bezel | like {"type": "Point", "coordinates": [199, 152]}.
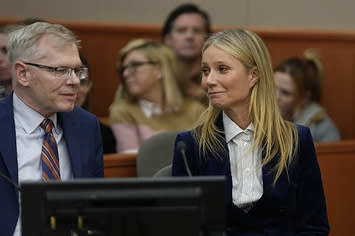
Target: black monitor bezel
{"type": "Point", "coordinates": [208, 192]}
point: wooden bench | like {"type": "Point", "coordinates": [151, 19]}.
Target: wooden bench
{"type": "Point", "coordinates": [120, 165]}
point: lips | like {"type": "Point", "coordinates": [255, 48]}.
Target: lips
{"type": "Point", "coordinates": [70, 96]}
{"type": "Point", "coordinates": [129, 81]}
{"type": "Point", "coordinates": [213, 93]}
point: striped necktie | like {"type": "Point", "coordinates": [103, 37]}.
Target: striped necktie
{"type": "Point", "coordinates": [49, 155]}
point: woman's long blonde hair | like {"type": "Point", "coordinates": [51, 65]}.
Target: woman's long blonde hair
{"type": "Point", "coordinates": [275, 136]}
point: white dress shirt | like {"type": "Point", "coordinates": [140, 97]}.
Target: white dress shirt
{"type": "Point", "coordinates": [29, 138]}
{"type": "Point", "coordinates": [149, 109]}
{"type": "Point", "coordinates": [245, 164]}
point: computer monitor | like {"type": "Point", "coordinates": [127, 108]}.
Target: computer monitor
{"type": "Point", "coordinates": [124, 207]}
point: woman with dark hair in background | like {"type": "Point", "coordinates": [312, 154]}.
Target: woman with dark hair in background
{"type": "Point", "coordinates": [298, 88]}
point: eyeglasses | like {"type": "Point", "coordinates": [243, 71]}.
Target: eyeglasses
{"type": "Point", "coordinates": [85, 83]}
{"type": "Point", "coordinates": [132, 67]}
{"type": "Point", "coordinates": [63, 72]}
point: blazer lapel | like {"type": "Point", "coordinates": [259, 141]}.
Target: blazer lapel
{"type": "Point", "coordinates": [8, 137]}
{"type": "Point", "coordinates": [268, 174]}
{"type": "Point", "coordinates": [71, 131]}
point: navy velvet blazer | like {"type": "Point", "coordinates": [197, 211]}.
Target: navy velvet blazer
{"type": "Point", "coordinates": [294, 206]}
{"type": "Point", "coordinates": [82, 135]}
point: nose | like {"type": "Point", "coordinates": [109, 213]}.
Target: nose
{"type": "Point", "coordinates": [126, 73]}
{"type": "Point", "coordinates": [208, 80]}
{"type": "Point", "coordinates": [189, 34]}
{"type": "Point", "coordinates": [73, 79]}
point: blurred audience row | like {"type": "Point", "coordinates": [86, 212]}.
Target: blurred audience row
{"type": "Point", "coordinates": [160, 84]}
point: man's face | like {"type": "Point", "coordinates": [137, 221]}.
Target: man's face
{"type": "Point", "coordinates": [5, 68]}
{"type": "Point", "coordinates": [187, 35]}
{"type": "Point", "coordinates": [45, 91]}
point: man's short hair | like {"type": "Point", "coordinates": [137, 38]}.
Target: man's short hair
{"type": "Point", "coordinates": [23, 42]}
{"type": "Point", "coordinates": [185, 9]}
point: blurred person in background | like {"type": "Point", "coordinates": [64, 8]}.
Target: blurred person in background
{"type": "Point", "coordinates": [185, 30]}
{"type": "Point", "coordinates": [298, 88]}
{"type": "Point", "coordinates": [5, 68]}
{"type": "Point", "coordinates": [82, 100]}
{"type": "Point", "coordinates": [149, 99]}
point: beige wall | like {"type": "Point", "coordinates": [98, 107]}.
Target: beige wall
{"type": "Point", "coordinates": [326, 14]}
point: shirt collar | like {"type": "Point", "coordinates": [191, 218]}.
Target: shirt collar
{"type": "Point", "coordinates": [28, 118]}
{"type": "Point", "coordinates": [232, 130]}
{"type": "Point", "coordinates": [149, 109]}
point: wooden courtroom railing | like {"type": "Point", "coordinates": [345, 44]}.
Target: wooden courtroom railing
{"type": "Point", "coordinates": [102, 41]}
{"type": "Point", "coordinates": [120, 165]}
{"type": "Point", "coordinates": [337, 164]}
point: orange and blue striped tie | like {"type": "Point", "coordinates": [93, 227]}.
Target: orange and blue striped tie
{"type": "Point", "coordinates": [49, 156]}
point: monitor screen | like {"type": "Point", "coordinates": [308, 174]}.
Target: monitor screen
{"type": "Point", "coordinates": [124, 206]}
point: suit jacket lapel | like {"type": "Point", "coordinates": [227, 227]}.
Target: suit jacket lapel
{"type": "Point", "coordinates": [268, 175]}
{"type": "Point", "coordinates": [71, 131]}
{"type": "Point", "coordinates": [227, 169]}
{"type": "Point", "coordinates": [8, 137]}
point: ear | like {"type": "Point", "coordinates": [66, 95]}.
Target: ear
{"type": "Point", "coordinates": [21, 75]}
{"type": "Point", "coordinates": [253, 76]}
{"type": "Point", "coordinates": [159, 72]}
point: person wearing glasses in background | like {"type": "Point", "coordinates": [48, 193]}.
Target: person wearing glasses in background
{"type": "Point", "coordinates": [46, 70]}
{"type": "Point", "coordinates": [148, 100]}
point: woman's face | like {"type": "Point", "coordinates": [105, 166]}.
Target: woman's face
{"type": "Point", "coordinates": [226, 80]}
{"type": "Point", "coordinates": [139, 74]}
{"type": "Point", "coordinates": [286, 94]}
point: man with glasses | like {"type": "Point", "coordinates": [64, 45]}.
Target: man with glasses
{"type": "Point", "coordinates": [43, 134]}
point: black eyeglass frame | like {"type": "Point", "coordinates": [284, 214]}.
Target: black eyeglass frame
{"type": "Point", "coordinates": [66, 70]}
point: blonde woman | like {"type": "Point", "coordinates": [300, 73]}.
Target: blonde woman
{"type": "Point", "coordinates": [149, 99]}
{"type": "Point", "coordinates": [274, 184]}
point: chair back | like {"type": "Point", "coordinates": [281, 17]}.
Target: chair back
{"type": "Point", "coordinates": [166, 171]}
{"type": "Point", "coordinates": [155, 153]}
